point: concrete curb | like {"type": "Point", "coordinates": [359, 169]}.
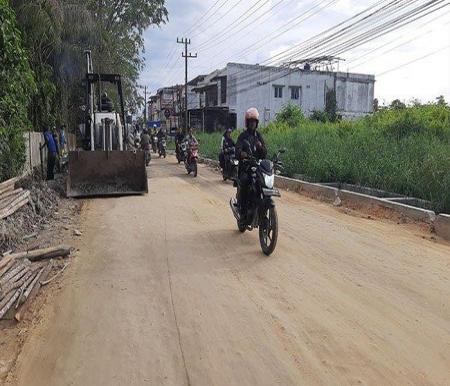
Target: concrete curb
{"type": "Point", "coordinates": [412, 212]}
{"type": "Point", "coordinates": [442, 226]}
{"type": "Point", "coordinates": [324, 193]}
{"type": "Point", "coordinates": [333, 194]}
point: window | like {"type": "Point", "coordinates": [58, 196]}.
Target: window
{"type": "Point", "coordinates": [278, 91]}
{"type": "Point", "coordinates": [295, 93]}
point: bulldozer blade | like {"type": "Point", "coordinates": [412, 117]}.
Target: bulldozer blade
{"type": "Point", "coordinates": [106, 173]}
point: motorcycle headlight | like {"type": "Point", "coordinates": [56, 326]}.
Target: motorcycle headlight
{"type": "Point", "coordinates": [269, 180]}
{"type": "Point", "coordinates": [235, 162]}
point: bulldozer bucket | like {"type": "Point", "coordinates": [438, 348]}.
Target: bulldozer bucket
{"type": "Point", "coordinates": [106, 173]}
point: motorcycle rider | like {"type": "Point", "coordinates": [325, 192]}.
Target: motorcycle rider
{"type": "Point", "coordinates": [250, 142]}
{"type": "Point", "coordinates": [178, 140]}
{"type": "Point", "coordinates": [190, 138]}
{"type": "Point", "coordinates": [145, 144]}
{"type": "Point", "coordinates": [226, 147]}
{"type": "Point", "coordinates": [152, 137]}
{"type": "Point", "coordinates": [160, 135]}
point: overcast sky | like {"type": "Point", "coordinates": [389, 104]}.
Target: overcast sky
{"type": "Point", "coordinates": [217, 43]}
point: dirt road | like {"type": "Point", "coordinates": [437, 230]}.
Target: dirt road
{"type": "Point", "coordinates": [165, 291]}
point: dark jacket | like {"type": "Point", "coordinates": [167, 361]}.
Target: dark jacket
{"type": "Point", "coordinates": [247, 143]}
{"type": "Point", "coordinates": [161, 135]}
{"type": "Point", "coordinates": [227, 143]}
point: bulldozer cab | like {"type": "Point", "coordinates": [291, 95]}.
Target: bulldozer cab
{"type": "Point", "coordinates": [105, 167]}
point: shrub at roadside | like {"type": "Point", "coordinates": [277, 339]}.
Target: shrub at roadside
{"type": "Point", "coordinates": [16, 80]}
{"type": "Point", "coordinates": [405, 151]}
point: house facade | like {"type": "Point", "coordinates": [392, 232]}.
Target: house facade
{"type": "Point", "coordinates": [225, 95]}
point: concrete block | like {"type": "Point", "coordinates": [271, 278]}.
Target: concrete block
{"type": "Point", "coordinates": [325, 193]}
{"type": "Point", "coordinates": [409, 211]}
{"type": "Point", "coordinates": [442, 226]}
{"type": "Point", "coordinates": [412, 212]}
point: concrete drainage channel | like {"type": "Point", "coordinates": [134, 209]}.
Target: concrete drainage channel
{"type": "Point", "coordinates": [336, 193]}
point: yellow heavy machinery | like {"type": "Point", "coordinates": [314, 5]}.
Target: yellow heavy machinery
{"type": "Point", "coordinates": [105, 167]}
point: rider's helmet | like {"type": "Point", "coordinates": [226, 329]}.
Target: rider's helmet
{"type": "Point", "coordinates": [251, 113]}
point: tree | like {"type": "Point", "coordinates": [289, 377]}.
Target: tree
{"type": "Point", "coordinates": [17, 84]}
{"type": "Point", "coordinates": [331, 105]}
{"type": "Point", "coordinates": [57, 33]}
{"type": "Point", "coordinates": [376, 106]}
{"type": "Point", "coordinates": [397, 104]}
{"type": "Point", "coordinates": [440, 101]}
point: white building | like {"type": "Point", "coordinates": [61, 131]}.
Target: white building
{"type": "Point", "coordinates": [239, 86]}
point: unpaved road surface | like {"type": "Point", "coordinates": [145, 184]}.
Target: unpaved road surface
{"type": "Point", "coordinates": [165, 291]}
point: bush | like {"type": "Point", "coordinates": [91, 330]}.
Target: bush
{"type": "Point", "coordinates": [16, 80]}
{"type": "Point", "coordinates": [319, 116]}
{"type": "Point", "coordinates": [405, 151]}
{"type": "Point", "coordinates": [290, 114]}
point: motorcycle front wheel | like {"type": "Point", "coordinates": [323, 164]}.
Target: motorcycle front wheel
{"type": "Point", "coordinates": [194, 168]}
{"type": "Point", "coordinates": [268, 231]}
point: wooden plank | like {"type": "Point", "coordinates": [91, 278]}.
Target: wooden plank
{"type": "Point", "coordinates": [43, 274]}
{"type": "Point", "coordinates": [8, 194]}
{"type": "Point", "coordinates": [21, 200]}
{"type": "Point", "coordinates": [8, 185]}
{"type": "Point", "coordinates": [41, 254]}
{"type": "Point", "coordinates": [13, 296]}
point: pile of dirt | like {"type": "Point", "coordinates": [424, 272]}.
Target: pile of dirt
{"type": "Point", "coordinates": [30, 219]}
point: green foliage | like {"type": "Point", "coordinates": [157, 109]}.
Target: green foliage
{"type": "Point", "coordinates": [397, 104]}
{"type": "Point", "coordinates": [331, 105]}
{"type": "Point", "coordinates": [319, 116]}
{"type": "Point", "coordinates": [405, 151]}
{"type": "Point", "coordinates": [56, 34]}
{"type": "Point", "coordinates": [290, 114]}
{"type": "Point", "coordinates": [17, 84]}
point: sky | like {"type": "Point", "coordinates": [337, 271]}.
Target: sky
{"type": "Point", "coordinates": [412, 62]}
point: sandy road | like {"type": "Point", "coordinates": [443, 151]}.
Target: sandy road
{"type": "Point", "coordinates": [165, 291]}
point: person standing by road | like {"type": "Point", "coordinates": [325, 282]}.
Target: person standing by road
{"type": "Point", "coordinates": [52, 152]}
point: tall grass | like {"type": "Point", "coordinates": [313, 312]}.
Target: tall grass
{"type": "Point", "coordinates": [403, 151]}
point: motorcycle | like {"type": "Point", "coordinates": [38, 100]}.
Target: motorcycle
{"type": "Point", "coordinates": [162, 148]}
{"type": "Point", "coordinates": [191, 159]}
{"type": "Point", "coordinates": [154, 142]}
{"type": "Point", "coordinates": [261, 211]}
{"type": "Point", "coordinates": [147, 155]}
{"type": "Point", "coordinates": [181, 152]}
{"type": "Point", "coordinates": [231, 164]}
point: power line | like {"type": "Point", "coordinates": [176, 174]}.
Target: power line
{"type": "Point", "coordinates": [413, 61]}
{"type": "Point", "coordinates": [251, 22]}
{"type": "Point", "coordinates": [357, 63]}
{"type": "Point", "coordinates": [221, 17]}
{"type": "Point", "coordinates": [232, 25]}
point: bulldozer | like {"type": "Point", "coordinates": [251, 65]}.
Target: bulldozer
{"type": "Point", "coordinates": [106, 166]}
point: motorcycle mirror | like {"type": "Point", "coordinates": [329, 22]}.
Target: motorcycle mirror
{"type": "Point", "coordinates": [282, 150]}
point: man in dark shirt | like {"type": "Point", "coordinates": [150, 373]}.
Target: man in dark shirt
{"type": "Point", "coordinates": [249, 143]}
{"type": "Point", "coordinates": [52, 151]}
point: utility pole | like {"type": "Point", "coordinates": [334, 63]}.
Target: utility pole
{"type": "Point", "coordinates": [145, 106]}
{"type": "Point", "coordinates": [186, 56]}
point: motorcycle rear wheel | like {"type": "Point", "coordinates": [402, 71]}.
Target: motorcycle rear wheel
{"type": "Point", "coordinates": [194, 168]}
{"type": "Point", "coordinates": [268, 231]}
